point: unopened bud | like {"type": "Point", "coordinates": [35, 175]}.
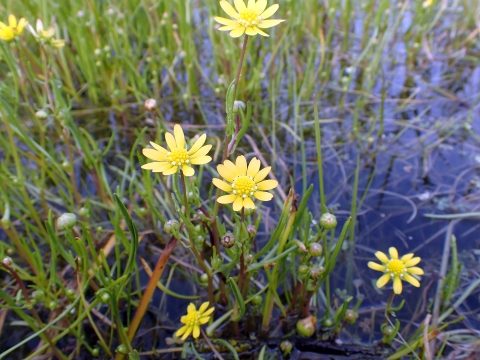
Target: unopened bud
{"type": "Point", "coordinates": [204, 278]}
{"type": "Point", "coordinates": [286, 347]}
{"type": "Point", "coordinates": [237, 105]}
{"type": "Point", "coordinates": [315, 249]}
{"type": "Point", "coordinates": [257, 299]}
{"type": "Point", "coordinates": [228, 240]}
{"type": "Point", "coordinates": [316, 271]}
{"type": "Point", "coordinates": [252, 230]}
{"type": "Point", "coordinates": [150, 104]}
{"type": "Point", "coordinates": [171, 226]}
{"type": "Point", "coordinates": [249, 259]}
{"type": "Point", "coordinates": [350, 316]}
{"type": "Point", "coordinates": [122, 349]}
{"type": "Point", "coordinates": [303, 269]}
{"type": "Point", "coordinates": [66, 221]}
{"type": "Point", "coordinates": [328, 221]}
{"type": "Point", "coordinates": [306, 327]}
{"type": "Point", "coordinates": [38, 295]}
{"type": "Point", "coordinates": [388, 331]}
{"type": "Point", "coordinates": [7, 261]}
{"type": "Point", "coordinates": [41, 115]}
{"type": "Point", "coordinates": [84, 212]}
{"type": "Point", "coordinates": [105, 297]}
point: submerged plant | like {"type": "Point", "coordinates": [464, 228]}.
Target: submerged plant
{"type": "Point", "coordinates": [193, 320]}
{"type": "Point", "coordinates": [247, 19]}
{"type": "Point", "coordinates": [244, 183]}
{"type": "Point", "coordinates": [13, 29]}
{"type": "Point", "coordinates": [397, 269]}
{"type": "Point", "coordinates": [178, 157]}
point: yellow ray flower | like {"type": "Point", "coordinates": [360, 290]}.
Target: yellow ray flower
{"type": "Point", "coordinates": [244, 183]}
{"type": "Point", "coordinates": [193, 320]}
{"type": "Point", "coordinates": [13, 29]}
{"type": "Point", "coordinates": [396, 269]}
{"type": "Point", "coordinates": [46, 36]}
{"type": "Point", "coordinates": [177, 157]}
{"type": "Point", "coordinates": [248, 19]}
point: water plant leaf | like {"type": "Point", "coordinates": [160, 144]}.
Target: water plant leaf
{"type": "Point", "coordinates": [230, 129]}
{"type": "Point", "coordinates": [238, 297]}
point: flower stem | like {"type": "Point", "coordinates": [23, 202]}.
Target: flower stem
{"type": "Point", "coordinates": [389, 304]}
{"type": "Point", "coordinates": [207, 340]}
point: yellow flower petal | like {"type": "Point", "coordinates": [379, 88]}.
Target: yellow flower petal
{"type": "Point", "coordinates": [222, 185]}
{"type": "Point", "coordinates": [231, 167]}
{"type": "Point", "coordinates": [251, 4]}
{"type": "Point", "coordinates": [261, 32]}
{"type": "Point", "coordinates": [181, 331]}
{"type": "Point", "coordinates": [6, 34]}
{"type": "Point", "coordinates": [238, 204]}
{"type": "Point", "coordinates": [382, 257]}
{"type": "Point", "coordinates": [413, 262]}
{"type": "Point", "coordinates": [267, 185]}
{"type": "Point", "coordinates": [262, 174]}
{"type": "Point", "coordinates": [187, 332]}
{"type": "Point", "coordinates": [406, 257]}
{"type": "Point", "coordinates": [241, 164]}
{"type": "Point", "coordinates": [154, 155]}
{"type": "Point", "coordinates": [393, 253]}
{"type": "Point", "coordinates": [225, 172]}
{"type": "Point", "coordinates": [179, 136]}
{"type": "Point", "coordinates": [170, 139]}
{"type": "Point", "coordinates": [224, 21]}
{"type": "Point", "coordinates": [196, 331]}
{"type": "Point", "coordinates": [2, 25]}
{"type": "Point", "coordinates": [383, 280]}
{"type": "Point", "coordinates": [159, 148]}
{"type": "Point", "coordinates": [237, 32]}
{"type": "Point", "coordinates": [201, 160]}
{"type": "Point", "coordinates": [21, 25]}
{"type": "Point", "coordinates": [156, 166]}
{"type": "Point", "coordinates": [197, 145]}
{"type": "Point", "coordinates": [191, 308]}
{"type": "Point", "coordinates": [263, 196]}
{"type": "Point", "coordinates": [265, 24]}
{"type": "Point", "coordinates": [397, 285]}
{"type": "Point", "coordinates": [250, 31]}
{"type": "Point", "coordinates": [229, 27]}
{"type": "Point", "coordinates": [201, 152]}
{"type": "Point", "coordinates": [270, 11]}
{"type": "Point", "coordinates": [203, 307]}
{"type": "Point", "coordinates": [253, 167]}
{"type": "Point", "coordinates": [260, 6]}
{"type": "Point", "coordinates": [188, 170]}
{"type": "Point", "coordinates": [376, 266]}
{"type": "Point", "coordinates": [239, 5]}
{"type": "Point", "coordinates": [227, 199]}
{"type": "Point", "coordinates": [208, 312]}
{"type": "Point", "coordinates": [229, 9]}
{"type": "Point", "coordinates": [170, 171]}
{"type": "Point", "coordinates": [204, 320]}
{"type": "Point", "coordinates": [12, 21]}
{"type": "Point", "coordinates": [248, 203]}
{"type": "Point", "coordinates": [411, 280]}
{"type": "Point", "coordinates": [415, 271]}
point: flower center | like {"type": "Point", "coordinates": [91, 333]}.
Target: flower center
{"type": "Point", "coordinates": [192, 318]}
{"type": "Point", "coordinates": [249, 17]}
{"type": "Point", "coordinates": [244, 186]}
{"type": "Point", "coordinates": [178, 157]}
{"type": "Point", "coordinates": [396, 267]}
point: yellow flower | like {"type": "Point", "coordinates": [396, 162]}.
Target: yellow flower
{"type": "Point", "coordinates": [396, 269]}
{"type": "Point", "coordinates": [14, 28]}
{"type": "Point", "coordinates": [178, 158]}
{"type": "Point", "coordinates": [193, 320]}
{"type": "Point", "coordinates": [46, 36]}
{"type": "Point", "coordinates": [427, 3]}
{"type": "Point", "coordinates": [247, 19]}
{"type": "Point", "coordinates": [244, 183]}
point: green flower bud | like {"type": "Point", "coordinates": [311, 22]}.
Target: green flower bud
{"type": "Point", "coordinates": [216, 262]}
{"type": "Point", "coordinates": [104, 296]}
{"type": "Point", "coordinates": [38, 295]}
{"type": "Point", "coordinates": [66, 221]}
{"type": "Point", "coordinates": [328, 221]}
{"type": "Point", "coordinates": [95, 352]}
{"type": "Point", "coordinates": [122, 349]}
{"type": "Point", "coordinates": [306, 327]}
{"type": "Point", "coordinates": [41, 115]}
{"type": "Point", "coordinates": [286, 347]}
{"type": "Point", "coordinates": [252, 230]}
{"type": "Point", "coordinates": [84, 212]}
{"type": "Point", "coordinates": [204, 278]}
{"type": "Point", "coordinates": [52, 305]}
{"type": "Point", "coordinates": [316, 271]}
{"type": "Point", "coordinates": [387, 331]}
{"type": "Point", "coordinates": [249, 259]}
{"type": "Point", "coordinates": [303, 269]}
{"type": "Point", "coordinates": [328, 322]}
{"type": "Point", "coordinates": [257, 300]}
{"type": "Point", "coordinates": [315, 249]}
{"type": "Point", "coordinates": [237, 105]}
{"type": "Point", "coordinates": [7, 261]}
{"type": "Point", "coordinates": [228, 240]}
{"type": "Point", "coordinates": [171, 226]}
{"type": "Point", "coordinates": [350, 316]}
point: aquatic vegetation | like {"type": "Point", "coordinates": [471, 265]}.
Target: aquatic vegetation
{"type": "Point", "coordinates": [13, 29]}
{"type": "Point", "coordinates": [177, 157]}
{"type": "Point", "coordinates": [248, 19]}
{"type": "Point", "coordinates": [396, 269]}
{"type": "Point", "coordinates": [244, 183]}
{"type": "Point", "coordinates": [193, 320]}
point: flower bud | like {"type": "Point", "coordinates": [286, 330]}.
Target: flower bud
{"type": "Point", "coordinates": [387, 331]}
{"type": "Point", "coordinates": [252, 230]}
{"type": "Point", "coordinates": [257, 300]}
{"type": "Point", "coordinates": [122, 349]}
{"type": "Point", "coordinates": [328, 322]}
{"type": "Point", "coordinates": [171, 226]}
{"type": "Point", "coordinates": [216, 262]}
{"type": "Point", "coordinates": [306, 327]}
{"type": "Point", "coordinates": [95, 352]}
{"type": "Point", "coordinates": [303, 269]}
{"type": "Point", "coordinates": [41, 115]}
{"type": "Point", "coordinates": [316, 271]}
{"type": "Point", "coordinates": [204, 278]}
{"type": "Point", "coordinates": [237, 105]}
{"type": "Point", "coordinates": [228, 240]}
{"type": "Point", "coordinates": [315, 249]}
{"type": "Point", "coordinates": [7, 261]}
{"type": "Point", "coordinates": [249, 259]}
{"type": "Point", "coordinates": [104, 297]}
{"type": "Point", "coordinates": [66, 221]}
{"type": "Point", "coordinates": [38, 295]}
{"type": "Point", "coordinates": [328, 221]}
{"type": "Point", "coordinates": [84, 212]}
{"type": "Point", "coordinates": [350, 316]}
{"type": "Point", "coordinates": [286, 347]}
